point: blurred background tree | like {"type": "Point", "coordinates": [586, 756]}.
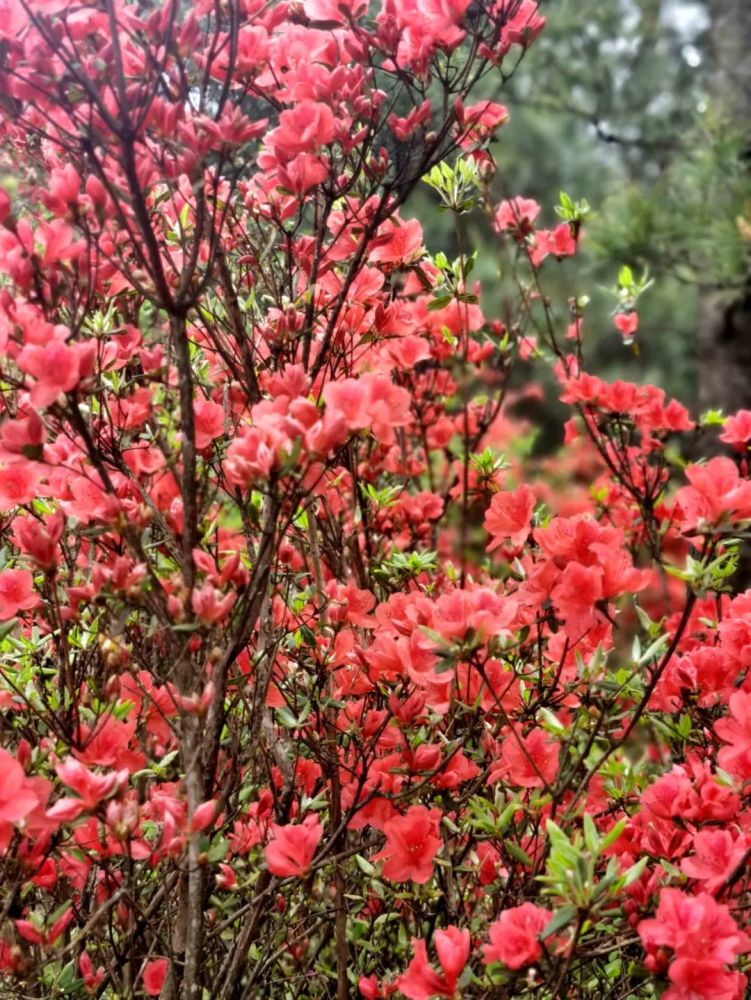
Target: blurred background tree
{"type": "Point", "coordinates": [725, 298]}
{"type": "Point", "coordinates": [641, 107]}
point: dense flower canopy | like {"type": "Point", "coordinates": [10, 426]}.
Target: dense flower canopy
{"type": "Point", "coordinates": [312, 680]}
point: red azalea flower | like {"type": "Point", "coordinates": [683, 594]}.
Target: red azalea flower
{"type": "Point", "coordinates": [412, 842]}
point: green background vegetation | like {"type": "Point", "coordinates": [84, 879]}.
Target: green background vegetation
{"type": "Point", "coordinates": [619, 102]}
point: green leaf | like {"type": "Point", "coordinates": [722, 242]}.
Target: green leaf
{"type": "Point", "coordinates": [218, 851]}
{"type": "Point", "coordinates": [612, 835]}
{"type": "Point", "coordinates": [634, 872]}
{"type": "Point", "coordinates": [591, 836]}
{"type": "Point", "coordinates": [518, 854]}
{"type": "Point", "coordinates": [69, 982]}
{"type": "Point", "coordinates": [439, 302]}
{"type": "Point", "coordinates": [286, 718]}
{"type": "Point", "coordinates": [712, 418]}
{"type": "Point", "coordinates": [560, 919]}
{"type": "Point", "coordinates": [365, 866]}
{"type": "Point", "coordinates": [7, 627]}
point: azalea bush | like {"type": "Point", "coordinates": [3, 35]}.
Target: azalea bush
{"type": "Point", "coordinates": [314, 681]}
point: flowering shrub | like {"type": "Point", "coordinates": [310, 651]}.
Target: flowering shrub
{"type": "Point", "coordinates": [307, 688]}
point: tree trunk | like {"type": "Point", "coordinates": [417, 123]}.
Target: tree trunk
{"type": "Point", "coordinates": [724, 349]}
{"type": "Point", "coordinates": [724, 341]}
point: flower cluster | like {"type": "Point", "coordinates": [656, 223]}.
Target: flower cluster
{"type": "Point", "coordinates": [312, 682]}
